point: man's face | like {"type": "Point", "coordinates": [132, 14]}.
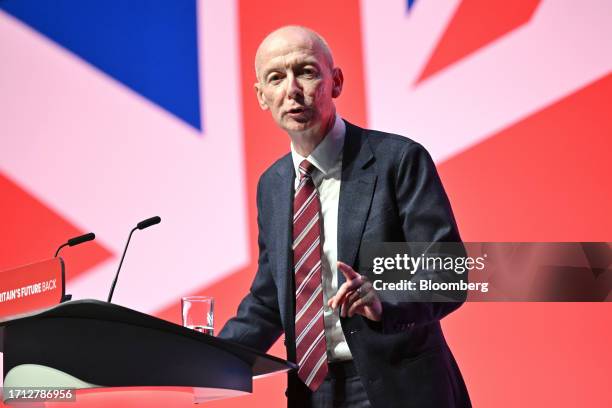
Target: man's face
{"type": "Point", "coordinates": [296, 83]}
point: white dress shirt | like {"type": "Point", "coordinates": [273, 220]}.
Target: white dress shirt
{"type": "Point", "coordinates": [327, 158]}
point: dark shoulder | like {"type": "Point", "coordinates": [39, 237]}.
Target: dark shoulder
{"type": "Point", "coordinates": [278, 166]}
{"type": "Point", "coordinates": [284, 164]}
{"type": "Point", "coordinates": [386, 145]}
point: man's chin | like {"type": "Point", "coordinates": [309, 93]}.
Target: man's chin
{"type": "Point", "coordinates": [294, 126]}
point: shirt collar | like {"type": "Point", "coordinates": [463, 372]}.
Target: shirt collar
{"type": "Point", "coordinates": [326, 154]}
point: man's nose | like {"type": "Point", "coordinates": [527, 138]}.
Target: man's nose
{"type": "Point", "coordinates": [294, 88]}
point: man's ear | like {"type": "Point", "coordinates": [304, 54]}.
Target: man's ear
{"type": "Point", "coordinates": [259, 92]}
{"type": "Point", "coordinates": [338, 80]}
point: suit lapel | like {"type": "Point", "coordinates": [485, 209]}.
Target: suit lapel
{"type": "Point", "coordinates": [282, 233]}
{"type": "Point", "coordinates": [356, 191]}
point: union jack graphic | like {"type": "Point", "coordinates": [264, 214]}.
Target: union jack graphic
{"type": "Point", "coordinates": [112, 112]}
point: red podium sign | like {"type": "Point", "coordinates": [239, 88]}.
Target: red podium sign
{"type": "Point", "coordinates": [31, 287]}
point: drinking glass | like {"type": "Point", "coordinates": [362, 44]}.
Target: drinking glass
{"type": "Point", "coordinates": [198, 313]}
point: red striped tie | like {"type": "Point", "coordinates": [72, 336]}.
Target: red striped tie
{"type": "Point", "coordinates": [311, 349]}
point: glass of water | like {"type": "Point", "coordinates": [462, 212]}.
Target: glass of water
{"type": "Point", "coordinates": [198, 313]}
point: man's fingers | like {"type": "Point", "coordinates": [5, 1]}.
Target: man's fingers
{"type": "Point", "coordinates": [338, 297]}
{"type": "Point", "coordinates": [344, 289]}
{"type": "Point", "coordinates": [361, 302]}
{"type": "Point", "coordinates": [344, 305]}
{"type": "Point", "coordinates": [352, 297]}
{"type": "Point", "coordinates": [360, 291]}
{"type": "Point", "coordinates": [348, 272]}
{"type": "Point", "coordinates": [366, 286]}
{"type": "Point", "coordinates": [349, 298]}
{"type": "Point", "coordinates": [342, 300]}
{"type": "Point", "coordinates": [353, 282]}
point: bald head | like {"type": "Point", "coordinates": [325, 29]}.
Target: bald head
{"type": "Point", "coordinates": [297, 36]}
{"type": "Point", "coordinates": [297, 82]}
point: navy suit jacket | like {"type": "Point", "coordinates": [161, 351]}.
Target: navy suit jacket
{"type": "Point", "coordinates": [390, 191]}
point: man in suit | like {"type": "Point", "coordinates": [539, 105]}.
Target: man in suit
{"type": "Point", "coordinates": [340, 187]}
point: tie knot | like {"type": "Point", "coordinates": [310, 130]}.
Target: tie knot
{"type": "Point", "coordinates": [306, 169]}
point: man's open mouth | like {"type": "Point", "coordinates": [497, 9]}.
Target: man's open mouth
{"type": "Point", "coordinates": [296, 110]}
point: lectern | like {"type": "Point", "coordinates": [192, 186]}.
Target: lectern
{"type": "Point", "coordinates": [86, 344]}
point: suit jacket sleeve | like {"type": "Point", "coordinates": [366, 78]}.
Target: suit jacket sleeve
{"type": "Point", "coordinates": [257, 323]}
{"type": "Point", "coordinates": [426, 216]}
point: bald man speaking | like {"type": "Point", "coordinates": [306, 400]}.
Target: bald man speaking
{"type": "Point", "coordinates": [341, 186]}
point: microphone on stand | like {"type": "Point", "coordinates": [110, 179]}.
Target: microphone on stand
{"type": "Point", "coordinates": [76, 241]}
{"type": "Point", "coordinates": [72, 242]}
{"type": "Point", "coordinates": [140, 226]}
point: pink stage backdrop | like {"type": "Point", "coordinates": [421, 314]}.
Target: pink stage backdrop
{"type": "Point", "coordinates": [511, 98]}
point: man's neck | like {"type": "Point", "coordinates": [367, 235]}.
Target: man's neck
{"type": "Point", "coordinates": [305, 142]}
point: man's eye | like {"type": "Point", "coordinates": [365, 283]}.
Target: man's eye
{"type": "Point", "coordinates": [310, 73]}
{"type": "Point", "coordinates": [274, 78]}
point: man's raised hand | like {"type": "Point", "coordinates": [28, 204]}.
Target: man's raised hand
{"type": "Point", "coordinates": [356, 295]}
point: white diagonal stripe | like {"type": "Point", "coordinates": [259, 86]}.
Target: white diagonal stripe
{"type": "Point", "coordinates": [307, 253]}
{"type": "Point", "coordinates": [308, 327]}
{"type": "Point", "coordinates": [305, 231]}
{"type": "Point", "coordinates": [305, 171]}
{"type": "Point", "coordinates": [302, 209]}
{"type": "Point", "coordinates": [300, 185]}
{"type": "Point", "coordinates": [311, 348]}
{"type": "Point", "coordinates": [303, 285]}
{"type": "Point", "coordinates": [315, 369]}
{"type": "Point", "coordinates": [314, 295]}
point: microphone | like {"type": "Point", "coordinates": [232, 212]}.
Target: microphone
{"type": "Point", "coordinates": [140, 226]}
{"type": "Point", "coordinates": [72, 242]}
{"type": "Point", "coordinates": [76, 241]}
{"type": "Point", "coordinates": [148, 222]}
